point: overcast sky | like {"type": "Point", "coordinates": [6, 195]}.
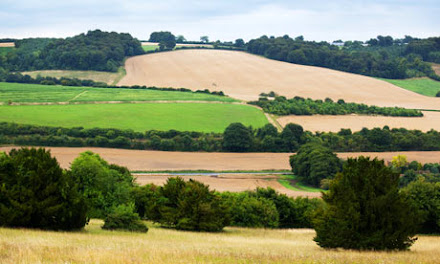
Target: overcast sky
{"type": "Point", "coordinates": [224, 20]}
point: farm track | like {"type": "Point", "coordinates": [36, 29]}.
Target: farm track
{"type": "Point", "coordinates": [127, 102]}
{"type": "Point", "coordinates": [244, 76]}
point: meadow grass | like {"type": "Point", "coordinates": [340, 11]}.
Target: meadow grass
{"type": "Point", "coordinates": [25, 93]}
{"type": "Point", "coordinates": [203, 117]}
{"type": "Point", "coordinates": [111, 78]}
{"type": "Point", "coordinates": [150, 47]}
{"type": "Point", "coordinates": [5, 50]}
{"type": "Point", "coordinates": [286, 181]}
{"type": "Point", "coordinates": [424, 86]}
{"type": "Point", "coordinates": [234, 245]}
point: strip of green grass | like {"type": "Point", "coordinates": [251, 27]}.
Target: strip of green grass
{"type": "Point", "coordinates": [150, 47]}
{"type": "Point", "coordinates": [298, 186]}
{"type": "Point", "coordinates": [203, 117]}
{"type": "Point", "coordinates": [26, 93]}
{"type": "Point", "coordinates": [424, 86]}
{"type": "Point", "coordinates": [5, 50]}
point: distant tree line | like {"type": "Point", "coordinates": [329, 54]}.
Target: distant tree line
{"type": "Point", "coordinates": [300, 106]}
{"type": "Point", "coordinates": [236, 138]}
{"type": "Point", "coordinates": [96, 50]}
{"type": "Point", "coordinates": [378, 60]}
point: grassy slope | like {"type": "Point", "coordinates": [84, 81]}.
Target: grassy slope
{"type": "Point", "coordinates": [150, 47]}
{"type": "Point", "coordinates": [202, 117]}
{"type": "Point", "coordinates": [97, 76]}
{"type": "Point", "coordinates": [48, 93]}
{"type": "Point", "coordinates": [286, 181]}
{"type": "Point", "coordinates": [423, 86]}
{"type": "Point", "coordinates": [234, 245]}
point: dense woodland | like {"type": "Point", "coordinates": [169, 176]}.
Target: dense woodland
{"type": "Point", "coordinates": [236, 138]}
{"type": "Point", "coordinates": [96, 50]}
{"type": "Point", "coordinates": [301, 106]}
{"type": "Point", "coordinates": [382, 57]}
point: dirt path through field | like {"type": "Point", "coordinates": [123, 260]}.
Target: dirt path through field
{"type": "Point", "coordinates": [147, 160]}
{"type": "Point", "coordinates": [245, 76]}
{"type": "Point", "coordinates": [324, 123]}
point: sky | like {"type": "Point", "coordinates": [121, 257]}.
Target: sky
{"type": "Point", "coordinates": [224, 20]}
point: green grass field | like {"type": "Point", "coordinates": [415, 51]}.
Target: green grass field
{"type": "Point", "coordinates": [203, 117]}
{"type": "Point", "coordinates": [160, 245]}
{"type": "Point", "coordinates": [27, 93]}
{"type": "Point", "coordinates": [111, 78]}
{"type": "Point", "coordinates": [422, 86]}
{"type": "Point", "coordinates": [286, 181]}
{"type": "Point", "coordinates": [150, 47]}
{"type": "Point", "coordinates": [5, 50]}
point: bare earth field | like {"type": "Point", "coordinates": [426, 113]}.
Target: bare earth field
{"type": "Point", "coordinates": [430, 120]}
{"type": "Point", "coordinates": [147, 160]}
{"type": "Point", "coordinates": [245, 76]}
{"type": "Point", "coordinates": [7, 44]}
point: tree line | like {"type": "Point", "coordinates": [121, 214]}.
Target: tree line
{"type": "Point", "coordinates": [385, 61]}
{"type": "Point", "coordinates": [301, 106]}
{"type": "Point", "coordinates": [236, 138]}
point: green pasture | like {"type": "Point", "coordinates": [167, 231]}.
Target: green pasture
{"type": "Point", "coordinates": [150, 47]}
{"type": "Point", "coordinates": [424, 86]}
{"type": "Point", "coordinates": [27, 93]}
{"type": "Point", "coordinates": [290, 182]}
{"type": "Point", "coordinates": [5, 50]}
{"type": "Point", "coordinates": [203, 117]}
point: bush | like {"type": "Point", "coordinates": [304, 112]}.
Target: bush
{"type": "Point", "coordinates": [426, 197]}
{"type": "Point", "coordinates": [438, 94]}
{"type": "Point", "coordinates": [190, 206]}
{"type": "Point", "coordinates": [103, 185]}
{"type": "Point", "coordinates": [313, 163]}
{"type": "Point", "coordinates": [237, 138]}
{"type": "Point", "coordinates": [364, 210]}
{"type": "Point", "coordinates": [123, 217]}
{"type": "Point", "coordinates": [35, 192]}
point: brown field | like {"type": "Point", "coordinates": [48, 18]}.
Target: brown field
{"type": "Point", "coordinates": [178, 45]}
{"type": "Point", "coordinates": [230, 182]}
{"type": "Point", "coordinates": [147, 160]}
{"type": "Point", "coordinates": [245, 76]}
{"type": "Point", "coordinates": [430, 120]}
{"type": "Point", "coordinates": [436, 68]}
{"type": "Point", "coordinates": [160, 245]}
{"type": "Point", "coordinates": [7, 44]}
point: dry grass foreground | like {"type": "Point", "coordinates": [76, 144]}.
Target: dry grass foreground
{"type": "Point", "coordinates": [234, 245]}
{"type": "Point", "coordinates": [245, 76]}
{"type": "Point", "coordinates": [148, 160]}
{"type": "Point", "coordinates": [430, 120]}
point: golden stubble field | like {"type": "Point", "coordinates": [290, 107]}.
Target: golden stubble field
{"type": "Point", "coordinates": [234, 245]}
{"type": "Point", "coordinates": [325, 123]}
{"type": "Point", "coordinates": [245, 76]}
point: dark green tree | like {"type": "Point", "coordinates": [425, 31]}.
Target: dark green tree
{"type": "Point", "coordinates": [313, 163]}
{"type": "Point", "coordinates": [237, 138]}
{"type": "Point", "coordinates": [438, 94]}
{"type": "Point", "coordinates": [292, 136]}
{"type": "Point", "coordinates": [166, 40]}
{"type": "Point", "coordinates": [365, 210]}
{"type": "Point", "coordinates": [239, 43]}
{"type": "Point", "coordinates": [35, 192]}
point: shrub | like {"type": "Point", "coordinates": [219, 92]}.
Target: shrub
{"type": "Point", "coordinates": [123, 217]}
{"type": "Point", "coordinates": [247, 210]}
{"type": "Point", "coordinates": [237, 138]}
{"type": "Point", "coordinates": [438, 94]}
{"type": "Point", "coordinates": [364, 210]}
{"type": "Point", "coordinates": [35, 192]}
{"type": "Point", "coordinates": [426, 197]}
{"type": "Point", "coordinates": [313, 163]}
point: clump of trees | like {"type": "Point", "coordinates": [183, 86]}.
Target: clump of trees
{"type": "Point", "coordinates": [36, 193]}
{"type": "Point", "coordinates": [314, 163]}
{"type": "Point", "coordinates": [438, 94]}
{"type": "Point", "coordinates": [300, 106]}
{"type": "Point", "coordinates": [96, 50]}
{"type": "Point", "coordinates": [124, 218]}
{"type": "Point", "coordinates": [365, 210]}
{"type": "Point", "coordinates": [166, 40]}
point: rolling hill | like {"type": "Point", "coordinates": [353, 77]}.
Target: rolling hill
{"type": "Point", "coordinates": [245, 76]}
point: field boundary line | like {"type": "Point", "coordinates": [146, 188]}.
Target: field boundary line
{"type": "Point", "coordinates": [78, 95]}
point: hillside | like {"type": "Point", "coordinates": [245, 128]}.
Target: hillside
{"type": "Point", "coordinates": [245, 76]}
